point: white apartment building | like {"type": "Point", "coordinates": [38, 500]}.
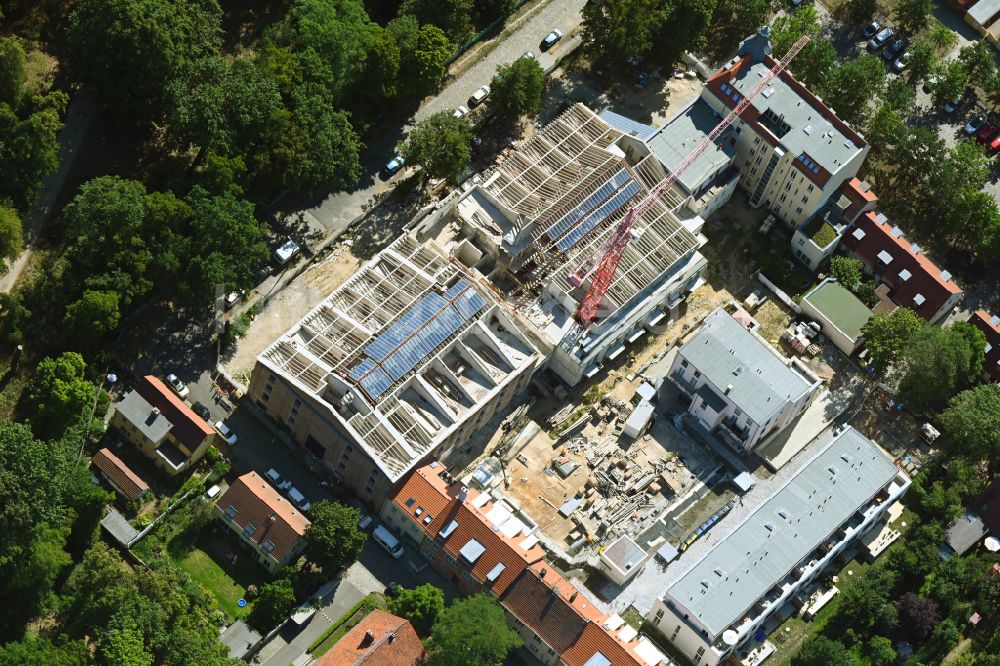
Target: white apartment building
{"type": "Point", "coordinates": [741, 388]}
{"type": "Point", "coordinates": [715, 607]}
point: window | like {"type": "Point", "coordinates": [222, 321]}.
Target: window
{"type": "Point", "coordinates": [697, 374]}
{"type": "Point", "coordinates": [811, 187]}
{"type": "Point", "coordinates": [684, 363]}
{"type": "Point", "coordinates": [658, 616]}
{"type": "Point", "coordinates": [782, 198]}
{"type": "Point", "coordinates": [249, 530]}
{"type": "Point", "coordinates": [799, 210]}
{"type": "Point", "coordinates": [231, 512]}
{"type": "Point", "coordinates": [788, 186]}
{"type": "Point", "coordinates": [267, 546]}
{"type": "Point", "coordinates": [805, 199]}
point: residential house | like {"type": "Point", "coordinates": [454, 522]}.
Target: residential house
{"type": "Point", "coordinates": [839, 312]}
{"type": "Point", "coordinates": [162, 426]}
{"type": "Point", "coordinates": [740, 387]}
{"type": "Point", "coordinates": [980, 517]}
{"type": "Point", "coordinates": [816, 240]}
{"type": "Point", "coordinates": [984, 16]}
{"type": "Point", "coordinates": [381, 639]}
{"type": "Point", "coordinates": [264, 520]}
{"type": "Point", "coordinates": [989, 324]}
{"type": "Point", "coordinates": [909, 278]}
{"type": "Point", "coordinates": [118, 475]}
{"type": "Point", "coordinates": [718, 605]}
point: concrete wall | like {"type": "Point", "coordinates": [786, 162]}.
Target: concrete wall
{"type": "Point", "coordinates": [810, 254]}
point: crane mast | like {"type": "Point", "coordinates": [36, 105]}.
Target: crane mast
{"type": "Point", "coordinates": [603, 265]}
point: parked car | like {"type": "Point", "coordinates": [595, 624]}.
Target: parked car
{"type": "Point", "coordinates": [392, 167]}
{"type": "Point", "coordinates": [298, 499]}
{"type": "Point", "coordinates": [871, 29]}
{"type": "Point", "coordinates": [227, 434]}
{"type": "Point", "coordinates": [895, 48]}
{"type": "Point", "coordinates": [178, 386]}
{"type": "Point", "coordinates": [930, 83]}
{"type": "Point", "coordinates": [201, 410]}
{"type": "Point", "coordinates": [232, 298]}
{"type": "Point", "coordinates": [551, 39]}
{"type": "Point", "coordinates": [952, 104]}
{"type": "Point", "coordinates": [278, 481]}
{"type": "Point", "coordinates": [365, 522]}
{"type": "Point", "coordinates": [479, 96]}
{"type": "Point", "coordinates": [460, 112]}
{"type": "Point", "coordinates": [212, 492]}
{"type": "Point", "coordinates": [975, 124]}
{"type": "Point", "coordinates": [528, 55]}
{"type": "Point", "coordinates": [986, 132]}
{"type": "Point", "coordinates": [994, 146]}
{"type": "Point", "coordinates": [285, 253]}
{"type": "Point", "coordinates": [881, 39]}
{"type": "Point", "coordinates": [901, 62]}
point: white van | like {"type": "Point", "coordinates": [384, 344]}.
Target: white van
{"type": "Point", "coordinates": [387, 540]}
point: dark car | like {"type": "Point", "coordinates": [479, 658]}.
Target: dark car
{"type": "Point", "coordinates": [551, 39]}
{"type": "Point", "coordinates": [894, 49]}
{"type": "Point", "coordinates": [392, 167]}
{"type": "Point", "coordinates": [975, 124]}
{"type": "Point", "coordinates": [201, 410]}
{"type": "Point", "coordinates": [871, 29]}
{"type": "Point", "coordinates": [881, 39]}
{"type": "Point", "coordinates": [987, 132]}
{"type": "Point", "coordinates": [901, 62]}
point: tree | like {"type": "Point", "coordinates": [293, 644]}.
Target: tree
{"type": "Point", "coordinates": [846, 271]}
{"type": "Point", "coordinates": [901, 95]}
{"type": "Point", "coordinates": [333, 539]}
{"type": "Point", "coordinates": [617, 29]}
{"type": "Point", "coordinates": [12, 71]}
{"type": "Point", "coordinates": [972, 423]}
{"type": "Point", "coordinates": [789, 28]}
{"type": "Point", "coordinates": [853, 85]}
{"type": "Point", "coordinates": [922, 60]}
{"type": "Point", "coordinates": [886, 128]}
{"type": "Point", "coordinates": [953, 78]}
{"type": "Point", "coordinates": [821, 651]}
{"type": "Point", "coordinates": [94, 315]}
{"type": "Point", "coordinates": [977, 58]}
{"type": "Point", "coordinates": [861, 11]}
{"type": "Point", "coordinates": [486, 11]}
{"type": "Point", "coordinates": [33, 651]}
{"type": "Point", "coordinates": [942, 37]}
{"type": "Point", "coordinates": [517, 89]}
{"type": "Point", "coordinates": [683, 29]}
{"type": "Point", "coordinates": [919, 615]}
{"type": "Point", "coordinates": [471, 632]}
{"type": "Point", "coordinates": [880, 652]}
{"type": "Point", "coordinates": [129, 51]}
{"type": "Point", "coordinates": [452, 16]}
{"type": "Point", "coordinates": [734, 19]}
{"type": "Point", "coordinates": [938, 363]}
{"type": "Point", "coordinates": [863, 606]}
{"type": "Point", "coordinates": [974, 223]}
{"type": "Point", "coordinates": [439, 145]}
{"type": "Point", "coordinates": [11, 235]}
{"type": "Point", "coordinates": [274, 602]}
{"type": "Point", "coordinates": [421, 606]}
{"type": "Point", "coordinates": [814, 64]}
{"type": "Point", "coordinates": [887, 335]}
{"type": "Point", "coordinates": [423, 51]}
{"type": "Point", "coordinates": [13, 317]}
{"type": "Point", "coordinates": [123, 647]}
{"type": "Point", "coordinates": [60, 394]}
{"type": "Point", "coordinates": [29, 145]}
{"type": "Point", "coordinates": [913, 15]}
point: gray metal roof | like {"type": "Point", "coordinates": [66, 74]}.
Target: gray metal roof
{"type": "Point", "coordinates": [681, 134]}
{"type": "Point", "coordinates": [728, 354]}
{"type": "Point", "coordinates": [809, 132]}
{"type": "Point", "coordinates": [626, 125]}
{"type": "Point", "coordinates": [753, 558]}
{"type": "Point", "coordinates": [139, 413]}
{"type": "Point", "coordinates": [965, 531]}
{"type": "Point", "coordinates": [981, 11]}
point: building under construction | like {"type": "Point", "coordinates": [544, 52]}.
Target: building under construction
{"type": "Point", "coordinates": [404, 361]}
{"type": "Point", "coordinates": [546, 212]}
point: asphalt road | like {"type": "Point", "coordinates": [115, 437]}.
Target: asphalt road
{"type": "Point", "coordinates": [336, 212]}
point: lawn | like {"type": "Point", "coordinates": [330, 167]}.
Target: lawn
{"type": "Point", "coordinates": [207, 563]}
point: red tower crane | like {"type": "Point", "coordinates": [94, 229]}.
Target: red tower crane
{"type": "Point", "coordinates": [604, 263]}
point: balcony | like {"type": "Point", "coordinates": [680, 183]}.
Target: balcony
{"type": "Point", "coordinates": [685, 385]}
{"type": "Point", "coordinates": [729, 429]}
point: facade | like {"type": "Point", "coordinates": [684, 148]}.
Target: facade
{"type": "Point", "coordinates": [406, 360]}
{"type": "Point", "coordinates": [792, 152]}
{"type": "Point", "coordinates": [264, 520]}
{"type": "Point", "coordinates": [162, 426]}
{"type": "Point", "coordinates": [839, 312]}
{"type": "Point", "coordinates": [990, 326]}
{"type": "Point", "coordinates": [714, 609]}
{"type": "Point", "coordinates": [816, 240]}
{"type": "Point", "coordinates": [118, 475]}
{"type": "Point", "coordinates": [381, 639]}
{"type": "Point", "coordinates": [547, 209]}
{"type": "Point", "coordinates": [910, 279]}
{"type": "Point", "coordinates": [740, 386]}
{"type": "Point", "coordinates": [484, 544]}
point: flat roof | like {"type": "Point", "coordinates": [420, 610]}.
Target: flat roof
{"type": "Point", "coordinates": [840, 306]}
{"type": "Point", "coordinates": [720, 587]}
{"type": "Point", "coordinates": [624, 553]}
{"type": "Point", "coordinates": [679, 136]}
{"type": "Point", "coordinates": [626, 125]}
{"type": "Point", "coordinates": [983, 10]}
{"type": "Point", "coordinates": [728, 354]}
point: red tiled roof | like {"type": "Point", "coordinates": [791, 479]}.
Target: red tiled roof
{"type": "Point", "coordinates": [594, 639]}
{"type": "Point", "coordinates": [859, 197]}
{"type": "Point", "coordinates": [983, 320]}
{"type": "Point", "coordinates": [113, 468]}
{"type": "Point", "coordinates": [188, 428]}
{"type": "Point", "coordinates": [256, 501]}
{"type": "Point", "coordinates": [537, 602]}
{"type": "Point", "coordinates": [381, 639]}
{"type": "Point", "coordinates": [925, 278]}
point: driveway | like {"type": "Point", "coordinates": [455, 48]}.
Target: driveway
{"type": "Point", "coordinates": [338, 210]}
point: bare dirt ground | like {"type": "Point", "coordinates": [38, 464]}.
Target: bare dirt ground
{"type": "Point", "coordinates": [291, 304]}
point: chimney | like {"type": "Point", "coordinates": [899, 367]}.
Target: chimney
{"type": "Point", "coordinates": [391, 636]}
{"type": "Point", "coordinates": [572, 597]}
{"type": "Point", "coordinates": [463, 494]}
{"type": "Point", "coordinates": [729, 388]}
{"type": "Point", "coordinates": [541, 574]}
{"type": "Point", "coordinates": [368, 639]}
{"type": "Point", "coordinates": [155, 412]}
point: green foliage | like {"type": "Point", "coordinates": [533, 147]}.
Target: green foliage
{"type": "Point", "coordinates": [683, 29]}
{"type": "Point", "coordinates": [423, 50]}
{"type": "Point", "coordinates": [128, 52]}
{"type": "Point", "coordinates": [29, 145]}
{"type": "Point", "coordinates": [887, 335]}
{"type": "Point", "coordinates": [439, 145]}
{"type": "Point", "coordinates": [866, 604]}
{"type": "Point", "coordinates": [452, 16]}
{"type": "Point", "coordinates": [94, 315]}
{"type": "Point", "coordinates": [13, 318]}
{"type": "Point", "coordinates": [953, 80]}
{"type": "Point", "coordinates": [942, 37]}
{"type": "Point", "coordinates": [35, 651]}
{"type": "Point", "coordinates": [913, 15]}
{"type": "Point", "coordinates": [61, 394]}
{"type": "Point", "coordinates": [11, 235]}
{"type": "Point", "coordinates": [922, 59]}
{"type": "Point", "coordinates": [972, 423]}
{"type": "Point", "coordinates": [123, 647]}
{"type": "Point", "coordinates": [821, 651]}
{"type": "Point", "coordinates": [616, 29]}
{"type": "Point", "coordinates": [814, 64]}
{"type": "Point", "coordinates": [846, 271]}
{"type": "Point", "coordinates": [517, 89]}
{"type": "Point", "coordinates": [853, 85]}
{"type": "Point", "coordinates": [273, 604]}
{"type": "Point", "coordinates": [900, 95]}
{"type": "Point", "coordinates": [471, 632]}
{"type": "Point", "coordinates": [977, 58]}
{"type": "Point", "coordinates": [938, 363]}
{"type": "Point", "coordinates": [734, 19]}
{"type": "Point", "coordinates": [421, 606]}
{"type": "Point", "coordinates": [885, 128]}
{"type": "Point", "coordinates": [861, 11]}
{"type": "Point", "coordinates": [333, 539]}
{"type": "Point", "coordinates": [789, 28]}
{"type": "Point", "coordinates": [918, 615]}
{"type": "Point", "coordinates": [879, 651]}
{"type": "Point", "coordinates": [12, 71]}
